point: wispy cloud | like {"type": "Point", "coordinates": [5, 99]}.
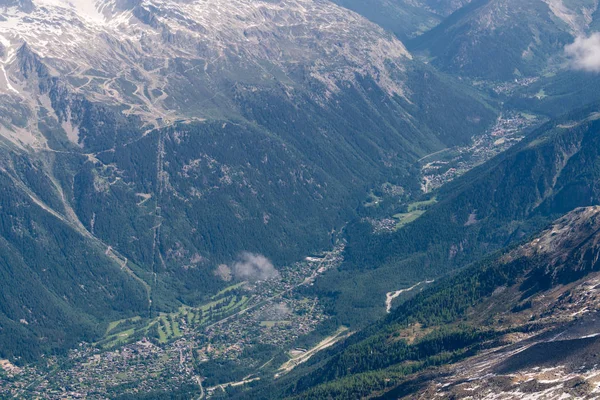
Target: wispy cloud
{"type": "Point", "coordinates": [584, 53]}
{"type": "Point", "coordinates": [276, 312]}
{"type": "Point", "coordinates": [254, 267]}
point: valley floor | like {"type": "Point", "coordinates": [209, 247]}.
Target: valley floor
{"type": "Point", "coordinates": [232, 334]}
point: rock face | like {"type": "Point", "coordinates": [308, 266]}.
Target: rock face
{"type": "Point", "coordinates": [169, 60]}
{"type": "Point", "coordinates": [571, 246]}
{"type": "Point", "coordinates": [559, 357]}
{"type": "Point", "coordinates": [165, 61]}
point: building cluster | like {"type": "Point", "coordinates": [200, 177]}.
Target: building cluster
{"type": "Point", "coordinates": [277, 316]}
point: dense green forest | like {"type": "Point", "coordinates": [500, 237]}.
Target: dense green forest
{"type": "Point", "coordinates": [456, 318]}
{"type": "Point", "coordinates": [164, 207]}
{"type": "Point", "coordinates": [512, 196]}
{"type": "Point", "coordinates": [47, 265]}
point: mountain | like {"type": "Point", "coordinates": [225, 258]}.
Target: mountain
{"type": "Point", "coordinates": [551, 95]}
{"type": "Point", "coordinates": [406, 19]}
{"type": "Point", "coordinates": [145, 143]}
{"type": "Point", "coordinates": [154, 62]}
{"type": "Point", "coordinates": [522, 322]}
{"type": "Point", "coordinates": [196, 198]}
{"type": "Point", "coordinates": [506, 39]}
{"type": "Point", "coordinates": [473, 322]}
{"type": "Point", "coordinates": [551, 172]}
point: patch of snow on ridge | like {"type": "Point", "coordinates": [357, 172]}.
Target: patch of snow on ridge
{"type": "Point", "coordinates": [84, 8]}
{"type": "Point", "coordinates": [6, 46]}
{"type": "Point", "coordinates": [168, 60]}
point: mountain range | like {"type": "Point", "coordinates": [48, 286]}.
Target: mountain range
{"type": "Point", "coordinates": [516, 324]}
{"type": "Point", "coordinates": [299, 198]}
{"type": "Point", "coordinates": [164, 137]}
{"type": "Point", "coordinates": [504, 39]}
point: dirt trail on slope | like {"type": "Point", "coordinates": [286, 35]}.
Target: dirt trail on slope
{"type": "Point", "coordinates": [390, 296]}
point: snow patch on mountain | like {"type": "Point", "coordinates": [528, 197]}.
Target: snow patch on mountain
{"type": "Point", "coordinates": [84, 8]}
{"type": "Point", "coordinates": [167, 60]}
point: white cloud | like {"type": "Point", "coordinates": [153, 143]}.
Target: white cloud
{"type": "Point", "coordinates": [276, 312]}
{"type": "Point", "coordinates": [254, 267]}
{"type": "Point", "coordinates": [584, 53]}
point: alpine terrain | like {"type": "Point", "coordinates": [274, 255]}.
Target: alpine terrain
{"type": "Point", "coordinates": [299, 199]}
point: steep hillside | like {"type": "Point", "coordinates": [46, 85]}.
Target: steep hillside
{"type": "Point", "coordinates": [171, 136]}
{"type": "Point", "coordinates": [551, 172]}
{"type": "Point", "coordinates": [565, 90]}
{"type": "Point", "coordinates": [519, 323]}
{"type": "Point", "coordinates": [406, 19]}
{"type": "Point", "coordinates": [506, 39]}
{"type": "Point", "coordinates": [58, 282]}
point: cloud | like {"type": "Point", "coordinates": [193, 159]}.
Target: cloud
{"type": "Point", "coordinates": [275, 312]}
{"type": "Point", "coordinates": [281, 310]}
{"type": "Point", "coordinates": [254, 267]}
{"type": "Point", "coordinates": [584, 53]}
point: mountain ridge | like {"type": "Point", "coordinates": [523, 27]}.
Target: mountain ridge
{"type": "Point", "coordinates": [168, 138]}
{"type": "Point", "coordinates": [489, 28]}
{"type": "Point", "coordinates": [467, 331]}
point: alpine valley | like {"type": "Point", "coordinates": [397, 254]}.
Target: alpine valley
{"type": "Point", "coordinates": [307, 199]}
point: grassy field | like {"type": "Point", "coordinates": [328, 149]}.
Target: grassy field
{"type": "Point", "coordinates": [372, 201]}
{"type": "Point", "coordinates": [406, 218]}
{"type": "Point", "coordinates": [229, 289]}
{"type": "Point", "coordinates": [169, 326]}
{"type": "Point", "coordinates": [113, 325]}
{"type": "Point", "coordinates": [415, 210]}
{"type": "Point", "coordinates": [117, 338]}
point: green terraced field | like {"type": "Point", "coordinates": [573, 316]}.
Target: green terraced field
{"type": "Point", "coordinates": [169, 326]}
{"type": "Point", "coordinates": [415, 210]}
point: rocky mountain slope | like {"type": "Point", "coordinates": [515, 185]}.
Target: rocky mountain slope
{"type": "Point", "coordinates": [167, 61]}
{"type": "Point", "coordinates": [521, 324]}
{"type": "Point", "coordinates": [156, 59]}
{"type": "Point", "coordinates": [557, 298]}
{"type": "Point", "coordinates": [164, 138]}
{"type": "Point", "coordinates": [551, 172]}
{"type": "Point", "coordinates": [506, 39]}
